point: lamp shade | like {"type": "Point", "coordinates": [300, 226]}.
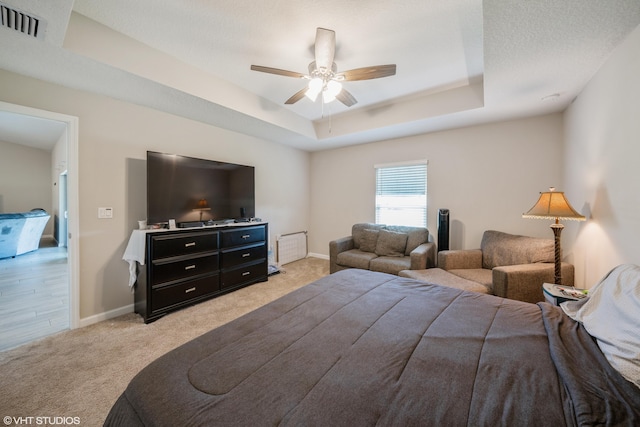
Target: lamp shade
{"type": "Point", "coordinates": [202, 205]}
{"type": "Point", "coordinates": [553, 205]}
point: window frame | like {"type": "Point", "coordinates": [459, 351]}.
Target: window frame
{"type": "Point", "coordinates": [384, 215]}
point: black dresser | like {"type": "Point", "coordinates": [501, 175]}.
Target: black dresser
{"type": "Point", "coordinates": [187, 266]}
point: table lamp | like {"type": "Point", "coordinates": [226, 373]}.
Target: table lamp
{"type": "Point", "coordinates": [202, 206]}
{"type": "Point", "coordinates": [554, 205]}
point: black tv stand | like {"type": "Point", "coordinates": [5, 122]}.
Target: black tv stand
{"type": "Point", "coordinates": [187, 266]}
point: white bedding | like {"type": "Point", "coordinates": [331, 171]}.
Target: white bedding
{"type": "Point", "coordinates": [611, 315]}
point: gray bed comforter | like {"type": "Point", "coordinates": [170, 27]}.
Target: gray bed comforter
{"type": "Point", "coordinates": [365, 348]}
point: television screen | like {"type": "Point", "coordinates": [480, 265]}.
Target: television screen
{"type": "Point", "coordinates": [188, 189]}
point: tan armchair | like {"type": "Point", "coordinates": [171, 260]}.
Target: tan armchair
{"type": "Point", "coordinates": [508, 265]}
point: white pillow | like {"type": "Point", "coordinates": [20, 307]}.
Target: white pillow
{"type": "Point", "coordinates": [611, 315]}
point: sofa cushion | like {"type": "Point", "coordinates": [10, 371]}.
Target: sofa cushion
{"type": "Point", "coordinates": [368, 240]}
{"type": "Point", "coordinates": [479, 275]}
{"type": "Point", "coordinates": [355, 258]}
{"type": "Point", "coordinates": [500, 249]}
{"type": "Point", "coordinates": [391, 243]}
{"type": "Point", "coordinates": [390, 264]}
{"type": "Point", "coordinates": [358, 231]}
{"type": "Point", "coordinates": [415, 236]}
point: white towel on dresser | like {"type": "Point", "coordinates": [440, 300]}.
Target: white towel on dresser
{"type": "Point", "coordinates": [135, 253]}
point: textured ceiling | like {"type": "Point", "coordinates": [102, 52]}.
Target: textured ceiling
{"type": "Point", "coordinates": [459, 62]}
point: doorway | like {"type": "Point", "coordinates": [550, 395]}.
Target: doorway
{"type": "Point", "coordinates": [65, 175]}
{"type": "Point", "coordinates": [61, 235]}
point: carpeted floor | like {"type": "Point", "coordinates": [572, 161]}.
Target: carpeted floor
{"type": "Point", "coordinates": [81, 373]}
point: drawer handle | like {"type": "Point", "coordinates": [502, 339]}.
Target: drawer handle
{"type": "Point", "coordinates": [190, 267]}
{"type": "Point", "coordinates": [246, 236]}
{"type": "Point", "coordinates": [190, 290]}
{"type": "Point", "coordinates": [246, 255]}
{"type": "Point", "coordinates": [246, 273]}
{"type": "Point", "coordinates": [186, 245]}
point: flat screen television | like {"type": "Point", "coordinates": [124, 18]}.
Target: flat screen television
{"type": "Point", "coordinates": [189, 190]}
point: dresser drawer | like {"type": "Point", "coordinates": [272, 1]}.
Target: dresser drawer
{"type": "Point", "coordinates": [243, 274]}
{"type": "Point", "coordinates": [169, 269]}
{"type": "Point", "coordinates": [242, 237]}
{"type": "Point", "coordinates": [174, 244]}
{"type": "Point", "coordinates": [166, 296]}
{"type": "Point", "coordinates": [245, 254]}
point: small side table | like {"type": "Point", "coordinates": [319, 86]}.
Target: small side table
{"type": "Point", "coordinates": [557, 294]}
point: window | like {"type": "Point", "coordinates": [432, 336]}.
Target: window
{"type": "Point", "coordinates": [401, 194]}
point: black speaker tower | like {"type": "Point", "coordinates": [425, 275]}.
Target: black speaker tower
{"type": "Point", "coordinates": [443, 230]}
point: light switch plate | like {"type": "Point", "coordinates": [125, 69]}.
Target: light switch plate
{"type": "Point", "coordinates": [105, 213]}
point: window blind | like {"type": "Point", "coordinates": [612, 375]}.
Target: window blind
{"type": "Point", "coordinates": [401, 194]}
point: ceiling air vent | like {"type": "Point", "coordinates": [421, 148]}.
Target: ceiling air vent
{"type": "Point", "coordinates": [20, 21]}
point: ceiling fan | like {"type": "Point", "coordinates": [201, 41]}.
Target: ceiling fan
{"type": "Point", "coordinates": [324, 77]}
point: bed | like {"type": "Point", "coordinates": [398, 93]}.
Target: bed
{"type": "Point", "coordinates": [366, 348]}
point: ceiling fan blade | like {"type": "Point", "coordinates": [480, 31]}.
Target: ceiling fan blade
{"type": "Point", "coordinates": [368, 73]}
{"type": "Point", "coordinates": [297, 96]}
{"type": "Point", "coordinates": [346, 98]}
{"type": "Point", "coordinates": [325, 48]}
{"type": "Point", "coordinates": [277, 71]}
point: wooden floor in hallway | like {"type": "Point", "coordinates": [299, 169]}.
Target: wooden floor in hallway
{"type": "Point", "coordinates": [34, 295]}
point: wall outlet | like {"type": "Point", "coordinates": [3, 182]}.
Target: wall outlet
{"type": "Point", "coordinates": [105, 213]}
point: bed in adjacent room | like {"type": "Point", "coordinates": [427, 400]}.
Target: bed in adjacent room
{"type": "Point", "coordinates": [365, 348]}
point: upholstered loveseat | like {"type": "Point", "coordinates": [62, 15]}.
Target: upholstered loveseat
{"type": "Point", "coordinates": [21, 232]}
{"type": "Point", "coordinates": [384, 248]}
{"type": "Point", "coordinates": [508, 265]}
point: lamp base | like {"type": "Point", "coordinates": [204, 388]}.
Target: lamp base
{"type": "Point", "coordinates": [557, 230]}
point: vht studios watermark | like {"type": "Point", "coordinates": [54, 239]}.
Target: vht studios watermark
{"type": "Point", "coordinates": [41, 421]}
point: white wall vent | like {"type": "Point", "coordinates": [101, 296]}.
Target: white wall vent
{"type": "Point", "coordinates": [20, 21]}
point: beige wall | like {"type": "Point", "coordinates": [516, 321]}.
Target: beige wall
{"type": "Point", "coordinates": [602, 174]}
{"type": "Point", "coordinates": [25, 180]}
{"type": "Point", "coordinates": [113, 140]}
{"type": "Point", "coordinates": [487, 176]}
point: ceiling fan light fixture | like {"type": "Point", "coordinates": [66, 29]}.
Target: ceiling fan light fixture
{"type": "Point", "coordinates": [312, 95]}
{"type": "Point", "coordinates": [328, 97]}
{"type": "Point", "coordinates": [331, 90]}
{"type": "Point", "coordinates": [315, 87]}
{"type": "Point", "coordinates": [334, 87]}
{"type": "Point", "coordinates": [315, 84]}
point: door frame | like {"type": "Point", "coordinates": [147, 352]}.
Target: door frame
{"type": "Point", "coordinates": [73, 204]}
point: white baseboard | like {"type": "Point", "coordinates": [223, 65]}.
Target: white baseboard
{"type": "Point", "coordinates": [315, 255]}
{"type": "Point", "coordinates": [106, 315]}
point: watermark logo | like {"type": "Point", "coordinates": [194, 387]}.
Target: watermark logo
{"type": "Point", "coordinates": [40, 421]}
